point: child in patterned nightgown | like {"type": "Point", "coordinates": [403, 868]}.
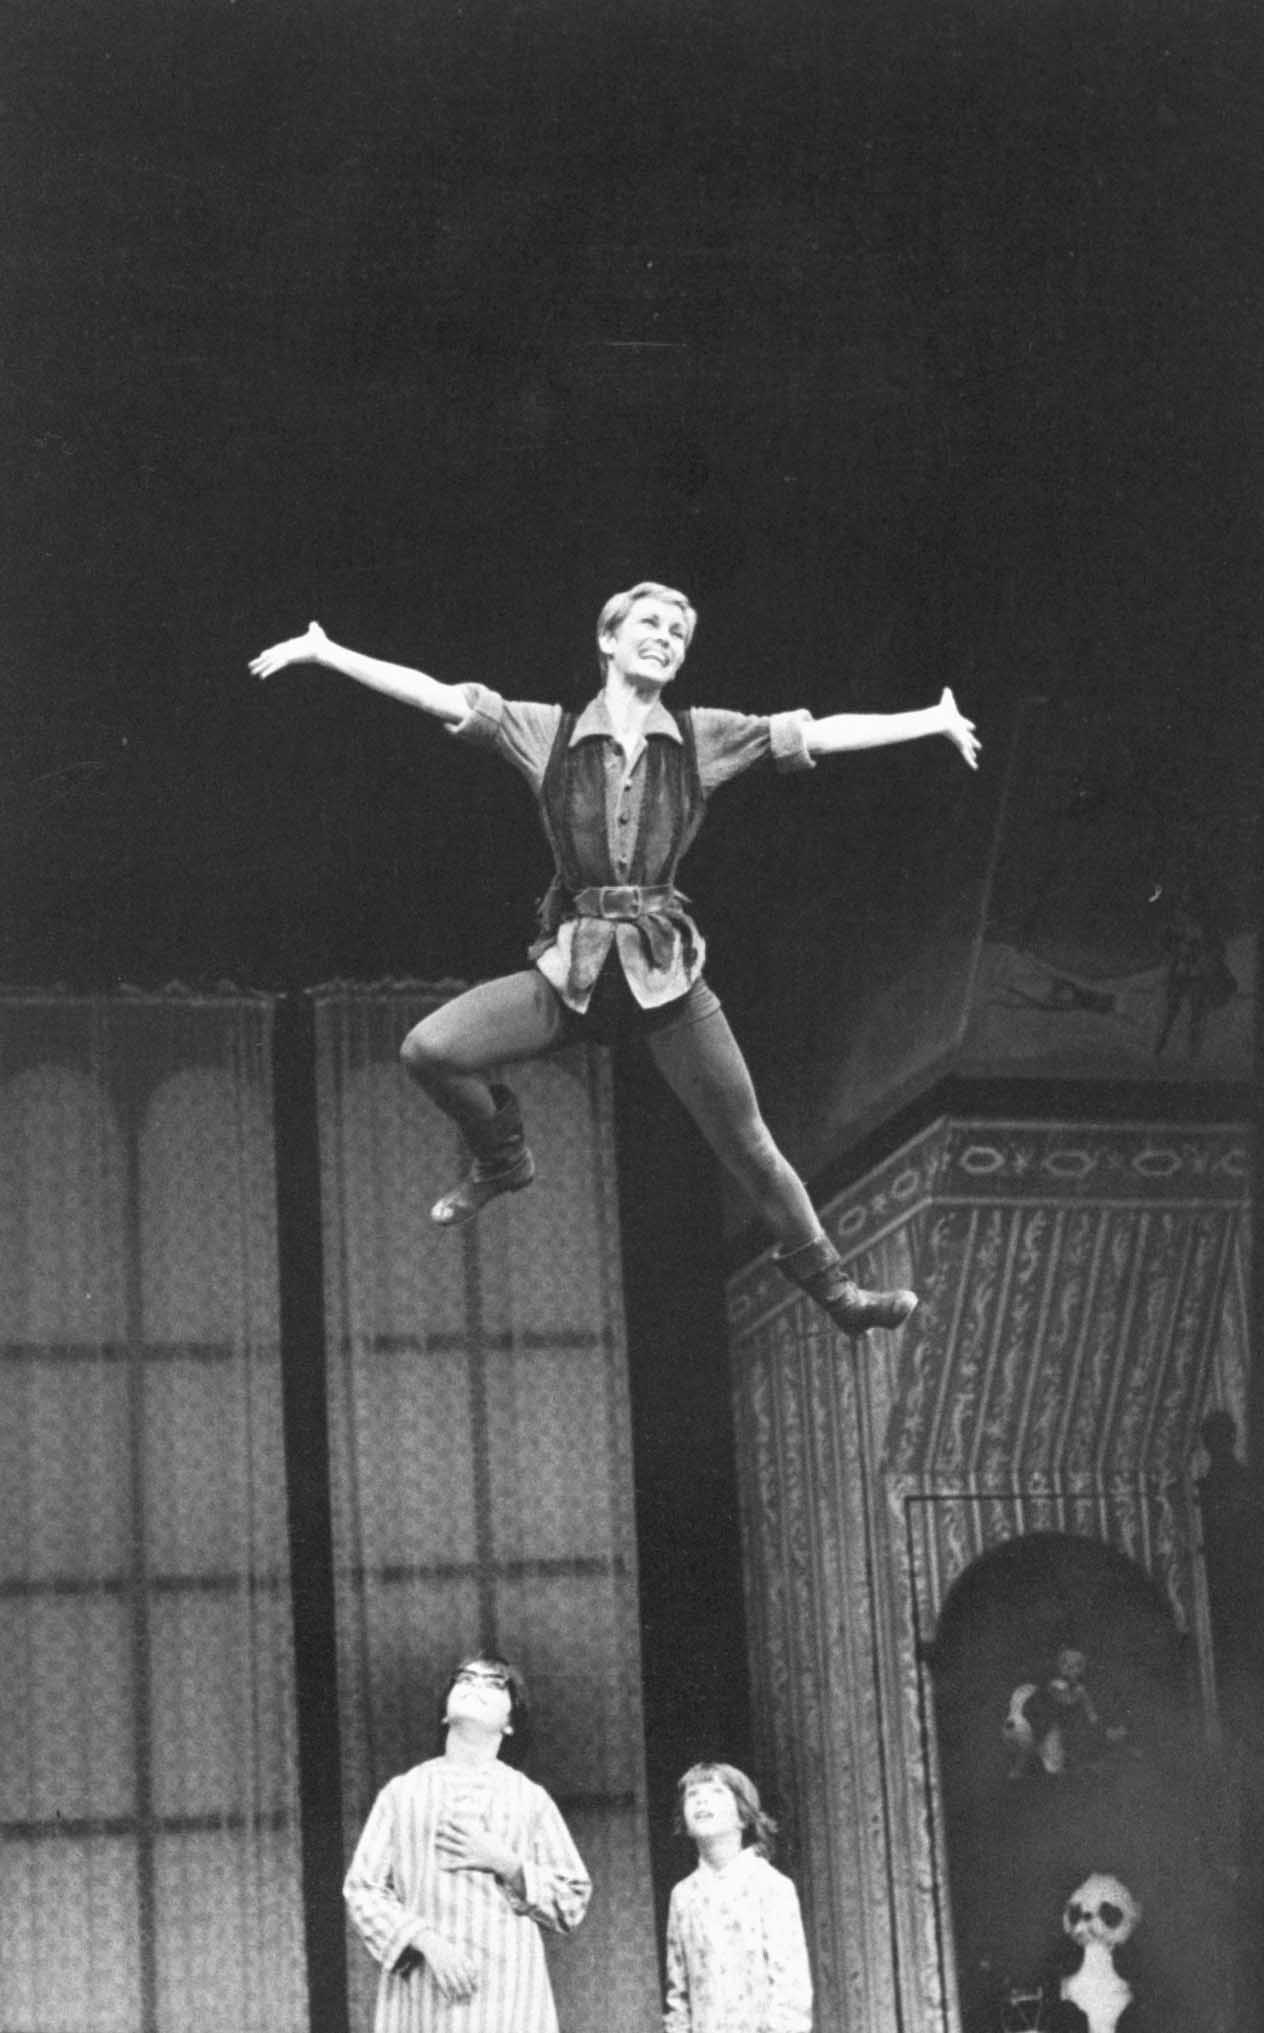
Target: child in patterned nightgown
{"type": "Point", "coordinates": [737, 1960]}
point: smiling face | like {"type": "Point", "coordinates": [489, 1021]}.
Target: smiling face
{"type": "Point", "coordinates": [647, 647]}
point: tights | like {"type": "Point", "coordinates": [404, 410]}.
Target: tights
{"type": "Point", "coordinates": [520, 1017]}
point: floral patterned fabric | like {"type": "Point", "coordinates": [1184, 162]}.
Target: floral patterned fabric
{"type": "Point", "coordinates": [737, 1960]}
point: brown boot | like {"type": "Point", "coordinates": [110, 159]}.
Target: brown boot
{"type": "Point", "coordinates": [502, 1164]}
{"type": "Point", "coordinates": [817, 1269]}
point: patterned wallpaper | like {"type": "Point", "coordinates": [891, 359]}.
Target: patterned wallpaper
{"type": "Point", "coordinates": [1083, 1305]}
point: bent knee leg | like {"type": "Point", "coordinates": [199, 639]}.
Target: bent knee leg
{"type": "Point", "coordinates": [429, 1053]}
{"type": "Point", "coordinates": [516, 1017]}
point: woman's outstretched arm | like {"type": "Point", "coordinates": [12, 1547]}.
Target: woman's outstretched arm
{"type": "Point", "coordinates": [446, 702]}
{"type": "Point", "coordinates": [838, 732]}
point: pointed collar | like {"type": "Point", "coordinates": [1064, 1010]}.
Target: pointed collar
{"type": "Point", "coordinates": [595, 720]}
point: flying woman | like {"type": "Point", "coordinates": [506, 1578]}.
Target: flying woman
{"type": "Point", "coordinates": [622, 789]}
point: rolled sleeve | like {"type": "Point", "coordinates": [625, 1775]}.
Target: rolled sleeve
{"type": "Point", "coordinates": [484, 712]}
{"type": "Point", "coordinates": [788, 739]}
{"type": "Point", "coordinates": [520, 730]}
{"type": "Point", "coordinates": [728, 744]}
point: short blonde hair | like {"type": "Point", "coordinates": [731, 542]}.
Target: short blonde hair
{"type": "Point", "coordinates": [620, 605]}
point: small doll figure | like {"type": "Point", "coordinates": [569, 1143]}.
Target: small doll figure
{"type": "Point", "coordinates": [1019, 1732]}
{"type": "Point", "coordinates": [1055, 1727]}
{"type": "Point", "coordinates": [1075, 1724]}
{"type": "Point", "coordinates": [737, 1960]}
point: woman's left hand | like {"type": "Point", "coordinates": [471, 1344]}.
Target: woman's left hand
{"type": "Point", "coordinates": [959, 730]}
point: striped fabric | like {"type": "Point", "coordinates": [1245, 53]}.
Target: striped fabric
{"type": "Point", "coordinates": [396, 1890]}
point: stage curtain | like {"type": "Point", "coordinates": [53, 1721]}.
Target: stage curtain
{"type": "Point", "coordinates": [150, 1868]}
{"type": "Point", "coordinates": [481, 1473]}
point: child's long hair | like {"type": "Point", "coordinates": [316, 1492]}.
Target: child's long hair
{"type": "Point", "coordinates": [759, 1830]}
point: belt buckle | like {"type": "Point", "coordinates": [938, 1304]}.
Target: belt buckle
{"type": "Point", "coordinates": [625, 892]}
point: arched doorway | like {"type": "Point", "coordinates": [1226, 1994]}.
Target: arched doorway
{"type": "Point", "coordinates": [1101, 1766]}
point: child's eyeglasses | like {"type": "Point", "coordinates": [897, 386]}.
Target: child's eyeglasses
{"type": "Point", "coordinates": [472, 1677]}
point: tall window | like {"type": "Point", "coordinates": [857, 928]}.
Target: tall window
{"type": "Point", "coordinates": [481, 1463]}
{"type": "Point", "coordinates": [147, 1772]}
{"type": "Point", "coordinates": [479, 1475]}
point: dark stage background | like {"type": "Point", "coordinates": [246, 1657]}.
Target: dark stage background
{"type": "Point", "coordinates": [919, 342]}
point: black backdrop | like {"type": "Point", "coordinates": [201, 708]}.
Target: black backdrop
{"type": "Point", "coordinates": [918, 341]}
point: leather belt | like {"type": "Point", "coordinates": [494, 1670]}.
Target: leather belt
{"type": "Point", "coordinates": [624, 900]}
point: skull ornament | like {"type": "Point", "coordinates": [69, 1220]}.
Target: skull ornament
{"type": "Point", "coordinates": [1101, 1910]}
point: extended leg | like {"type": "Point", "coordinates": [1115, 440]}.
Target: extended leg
{"type": "Point", "coordinates": [703, 1064]}
{"type": "Point", "coordinates": [817, 1269]}
{"type": "Point", "coordinates": [448, 1054]}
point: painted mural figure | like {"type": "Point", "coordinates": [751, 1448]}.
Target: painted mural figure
{"type": "Point", "coordinates": [1197, 977]}
{"type": "Point", "coordinates": [622, 789]}
{"type": "Point", "coordinates": [463, 1860]}
{"type": "Point", "coordinates": [737, 1959]}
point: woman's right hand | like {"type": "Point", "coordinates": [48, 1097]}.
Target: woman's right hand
{"type": "Point", "coordinates": [300, 649]}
